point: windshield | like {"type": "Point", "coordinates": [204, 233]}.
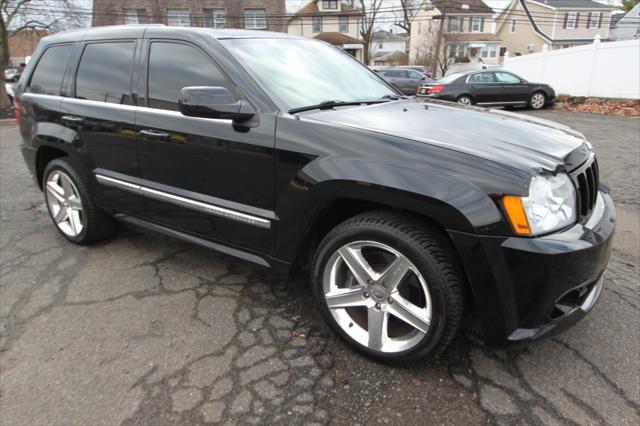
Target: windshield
{"type": "Point", "coordinates": [451, 77]}
{"type": "Point", "coordinates": [300, 73]}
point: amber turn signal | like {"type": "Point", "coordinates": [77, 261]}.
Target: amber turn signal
{"type": "Point", "coordinates": [517, 216]}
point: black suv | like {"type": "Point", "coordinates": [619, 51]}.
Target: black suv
{"type": "Point", "coordinates": [288, 153]}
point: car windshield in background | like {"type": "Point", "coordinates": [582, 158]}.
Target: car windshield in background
{"type": "Point", "coordinates": [300, 73]}
{"type": "Point", "coordinates": [451, 77]}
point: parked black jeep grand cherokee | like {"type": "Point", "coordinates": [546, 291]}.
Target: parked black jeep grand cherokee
{"type": "Point", "coordinates": [288, 153]}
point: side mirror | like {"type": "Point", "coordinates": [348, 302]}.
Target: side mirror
{"type": "Point", "coordinates": [214, 102]}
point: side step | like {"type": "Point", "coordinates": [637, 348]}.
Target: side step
{"type": "Point", "coordinates": [193, 240]}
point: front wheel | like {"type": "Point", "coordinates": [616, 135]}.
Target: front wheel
{"type": "Point", "coordinates": [538, 100]}
{"type": "Point", "coordinates": [390, 286]}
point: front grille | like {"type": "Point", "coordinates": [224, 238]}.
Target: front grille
{"type": "Point", "coordinates": [587, 178]}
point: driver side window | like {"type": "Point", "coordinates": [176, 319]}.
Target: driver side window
{"type": "Point", "coordinates": [504, 77]}
{"type": "Point", "coordinates": [173, 66]}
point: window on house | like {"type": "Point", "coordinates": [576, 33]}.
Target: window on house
{"type": "Point", "coordinates": [430, 21]}
{"type": "Point", "coordinates": [104, 73]}
{"type": "Point", "coordinates": [214, 18]}
{"type": "Point", "coordinates": [344, 24]}
{"type": "Point", "coordinates": [430, 50]}
{"type": "Point", "coordinates": [179, 17]}
{"type": "Point", "coordinates": [135, 16]}
{"type": "Point", "coordinates": [489, 51]}
{"type": "Point", "coordinates": [457, 51]}
{"type": "Point", "coordinates": [255, 19]}
{"type": "Point", "coordinates": [570, 20]}
{"type": "Point", "coordinates": [329, 4]}
{"type": "Point", "coordinates": [419, 28]}
{"type": "Point", "coordinates": [476, 24]}
{"type": "Point", "coordinates": [317, 24]}
{"type": "Point", "coordinates": [513, 25]}
{"type": "Point", "coordinates": [455, 24]}
{"type": "Point", "coordinates": [594, 20]}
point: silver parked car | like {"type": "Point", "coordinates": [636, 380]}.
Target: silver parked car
{"type": "Point", "coordinates": [404, 79]}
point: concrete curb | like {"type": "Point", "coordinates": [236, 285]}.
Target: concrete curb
{"type": "Point", "coordinates": [7, 122]}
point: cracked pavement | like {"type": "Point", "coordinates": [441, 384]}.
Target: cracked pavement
{"type": "Point", "coordinates": [143, 329]}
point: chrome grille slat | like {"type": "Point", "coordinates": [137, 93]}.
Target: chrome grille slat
{"type": "Point", "coordinates": [587, 178]}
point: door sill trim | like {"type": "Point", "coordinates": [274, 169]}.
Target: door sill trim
{"type": "Point", "coordinates": [193, 239]}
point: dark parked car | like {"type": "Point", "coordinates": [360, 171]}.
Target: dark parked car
{"type": "Point", "coordinates": [405, 80]}
{"type": "Point", "coordinates": [489, 88]}
{"type": "Point", "coordinates": [404, 213]}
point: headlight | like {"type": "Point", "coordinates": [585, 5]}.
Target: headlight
{"type": "Point", "coordinates": [551, 205]}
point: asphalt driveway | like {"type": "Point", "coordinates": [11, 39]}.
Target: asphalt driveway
{"type": "Point", "coordinates": [147, 330]}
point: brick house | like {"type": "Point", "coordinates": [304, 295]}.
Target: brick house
{"type": "Point", "coordinates": [249, 14]}
{"type": "Point", "coordinates": [23, 44]}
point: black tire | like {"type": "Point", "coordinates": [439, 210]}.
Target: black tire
{"type": "Point", "coordinates": [534, 102]}
{"type": "Point", "coordinates": [98, 225]}
{"type": "Point", "coordinates": [464, 100]}
{"type": "Point", "coordinates": [432, 254]}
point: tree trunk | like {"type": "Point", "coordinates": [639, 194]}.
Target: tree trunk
{"type": "Point", "coordinates": [4, 63]}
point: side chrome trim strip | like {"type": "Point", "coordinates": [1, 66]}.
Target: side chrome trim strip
{"type": "Point", "coordinates": [184, 202]}
{"type": "Point", "coordinates": [194, 240]}
{"type": "Point", "coordinates": [140, 109]}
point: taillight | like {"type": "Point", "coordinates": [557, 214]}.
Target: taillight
{"type": "Point", "coordinates": [436, 89]}
{"type": "Point", "coordinates": [17, 108]}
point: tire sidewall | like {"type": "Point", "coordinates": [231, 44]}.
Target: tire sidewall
{"type": "Point", "coordinates": [531, 100]}
{"type": "Point", "coordinates": [62, 165]}
{"type": "Point", "coordinates": [421, 261]}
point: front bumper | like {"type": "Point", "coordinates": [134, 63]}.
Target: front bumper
{"type": "Point", "coordinates": [529, 288]}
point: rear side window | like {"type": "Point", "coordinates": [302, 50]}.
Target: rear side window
{"type": "Point", "coordinates": [47, 77]}
{"type": "Point", "coordinates": [104, 73]}
{"type": "Point", "coordinates": [483, 77]}
{"type": "Point", "coordinates": [168, 75]}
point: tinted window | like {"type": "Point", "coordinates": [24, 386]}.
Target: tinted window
{"type": "Point", "coordinates": [505, 77]}
{"type": "Point", "coordinates": [168, 75]}
{"type": "Point", "coordinates": [104, 73]}
{"type": "Point", "coordinates": [483, 77]}
{"type": "Point", "coordinates": [47, 77]}
{"type": "Point", "coordinates": [415, 75]}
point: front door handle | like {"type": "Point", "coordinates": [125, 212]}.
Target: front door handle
{"type": "Point", "coordinates": [155, 134]}
{"type": "Point", "coordinates": [72, 119]}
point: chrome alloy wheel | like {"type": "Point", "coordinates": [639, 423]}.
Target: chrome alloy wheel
{"type": "Point", "coordinates": [377, 296]}
{"type": "Point", "coordinates": [537, 100]}
{"type": "Point", "coordinates": [64, 203]}
{"type": "Point", "coordinates": [464, 100]}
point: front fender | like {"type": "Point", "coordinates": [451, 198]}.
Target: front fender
{"type": "Point", "coordinates": [451, 202]}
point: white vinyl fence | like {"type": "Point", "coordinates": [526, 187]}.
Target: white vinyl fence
{"type": "Point", "coordinates": [610, 70]}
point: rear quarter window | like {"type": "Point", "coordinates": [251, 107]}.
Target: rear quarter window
{"type": "Point", "coordinates": [104, 73]}
{"type": "Point", "coordinates": [49, 72]}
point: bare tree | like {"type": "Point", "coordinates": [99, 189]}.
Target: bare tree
{"type": "Point", "coordinates": [370, 10]}
{"type": "Point", "coordinates": [17, 16]}
{"type": "Point", "coordinates": [404, 16]}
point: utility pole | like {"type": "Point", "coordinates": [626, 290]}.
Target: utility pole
{"type": "Point", "coordinates": [436, 57]}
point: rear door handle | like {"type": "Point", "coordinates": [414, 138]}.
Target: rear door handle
{"type": "Point", "coordinates": [72, 119]}
{"type": "Point", "coordinates": [155, 134]}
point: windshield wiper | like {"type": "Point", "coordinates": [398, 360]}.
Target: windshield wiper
{"type": "Point", "coordinates": [335, 103]}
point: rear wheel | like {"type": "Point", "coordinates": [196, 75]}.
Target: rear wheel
{"type": "Point", "coordinates": [537, 100]}
{"type": "Point", "coordinates": [464, 100]}
{"type": "Point", "coordinates": [71, 207]}
{"type": "Point", "coordinates": [390, 286]}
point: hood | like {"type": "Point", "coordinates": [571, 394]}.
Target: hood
{"type": "Point", "coordinates": [516, 140]}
